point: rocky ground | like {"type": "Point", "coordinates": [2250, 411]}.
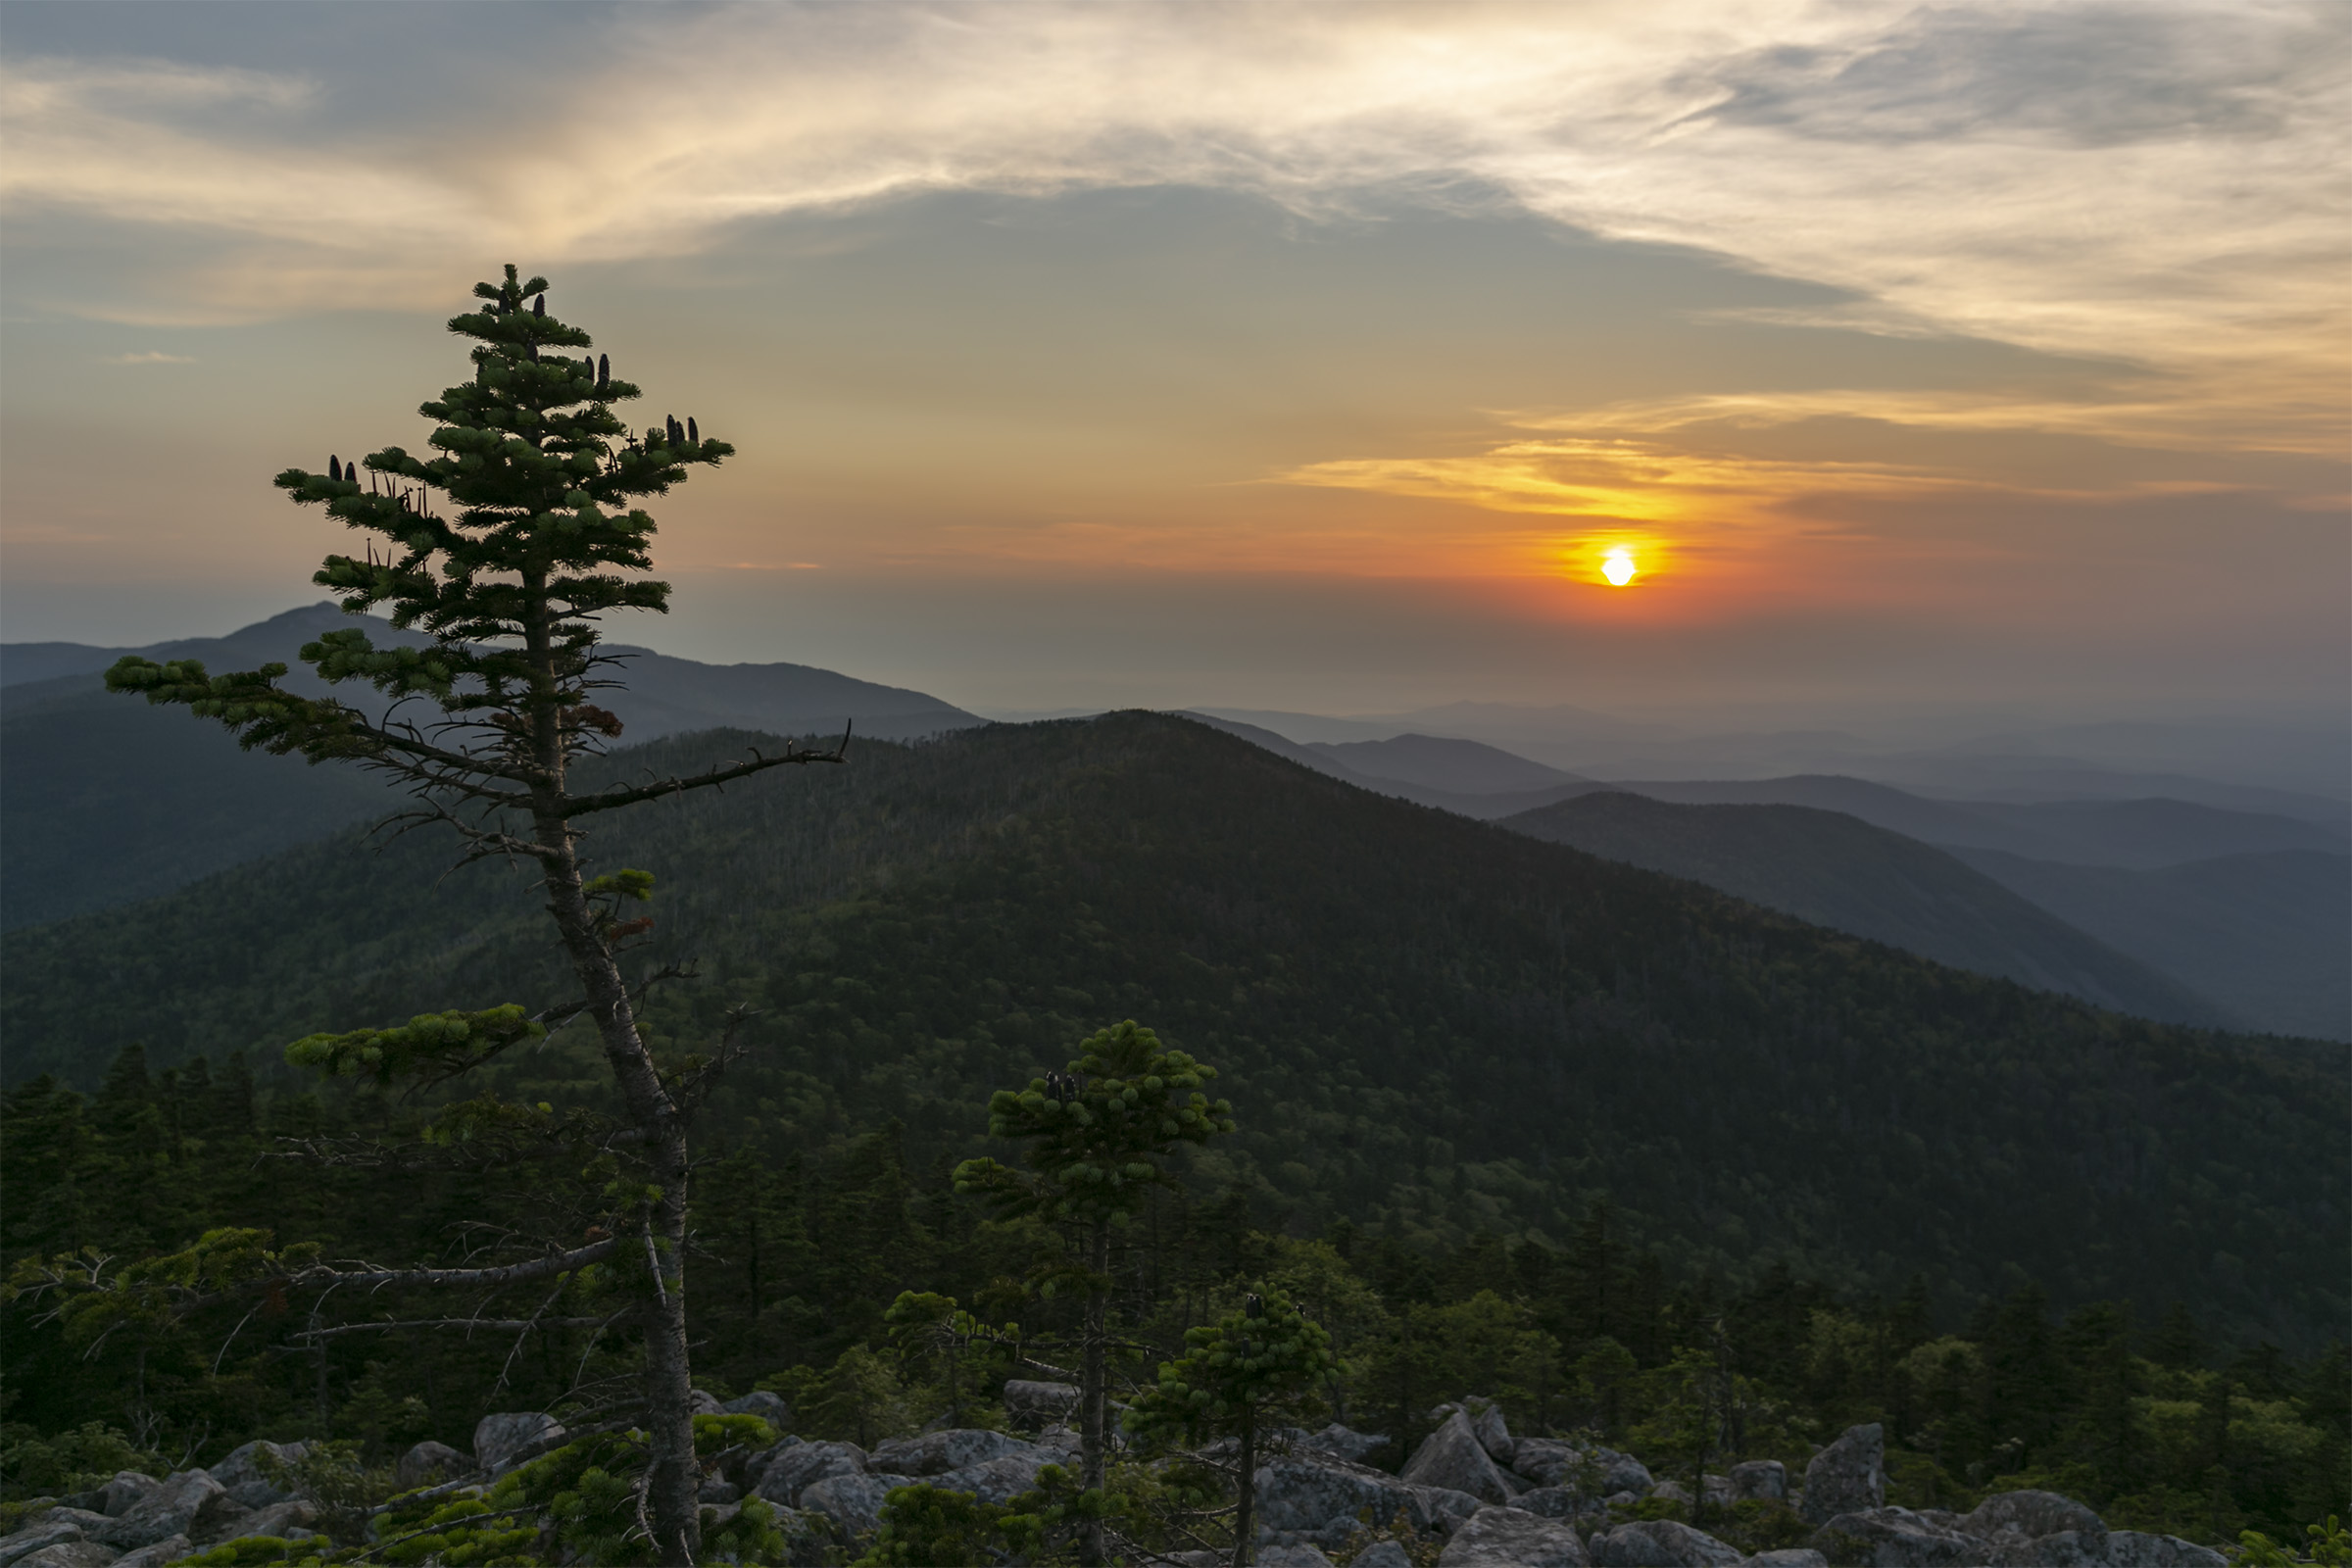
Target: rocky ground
{"type": "Point", "coordinates": [1493, 1502]}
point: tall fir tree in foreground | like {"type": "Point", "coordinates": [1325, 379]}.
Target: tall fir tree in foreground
{"type": "Point", "coordinates": [505, 546]}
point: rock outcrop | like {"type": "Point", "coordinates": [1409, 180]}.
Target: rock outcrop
{"type": "Point", "coordinates": [428, 1463]}
{"type": "Point", "coordinates": [184, 1505]}
{"type": "Point", "coordinates": [852, 1499]}
{"type": "Point", "coordinates": [1350, 1444]}
{"type": "Point", "coordinates": [2131, 1548]}
{"type": "Point", "coordinates": [1760, 1478]}
{"type": "Point", "coordinates": [1513, 1538]}
{"type": "Point", "coordinates": [1850, 1476]}
{"type": "Point", "coordinates": [1661, 1543]}
{"type": "Point", "coordinates": [1036, 1405]}
{"type": "Point", "coordinates": [937, 1452]}
{"type": "Point", "coordinates": [507, 1439]}
{"type": "Point", "coordinates": [1453, 1459]}
{"type": "Point", "coordinates": [1897, 1538]}
{"type": "Point", "coordinates": [2012, 1520]}
{"type": "Point", "coordinates": [1308, 1491]}
{"type": "Point", "coordinates": [795, 1469]}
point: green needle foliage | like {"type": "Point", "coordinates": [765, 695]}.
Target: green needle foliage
{"type": "Point", "coordinates": [1261, 1358]}
{"type": "Point", "coordinates": [1097, 1136]}
{"type": "Point", "coordinates": [505, 544]}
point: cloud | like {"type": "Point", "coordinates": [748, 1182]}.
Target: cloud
{"type": "Point", "coordinates": [2160, 182]}
{"type": "Point", "coordinates": [151, 357]}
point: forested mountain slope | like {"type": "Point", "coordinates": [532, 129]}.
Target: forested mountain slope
{"type": "Point", "coordinates": [1840, 872]}
{"type": "Point", "coordinates": [1433, 1025]}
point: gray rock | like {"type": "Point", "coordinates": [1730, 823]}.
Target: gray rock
{"type": "Point", "coordinates": [1034, 1404]}
{"type": "Point", "coordinates": [1350, 1444]}
{"type": "Point", "coordinates": [1486, 1424]}
{"type": "Point", "coordinates": [1555, 1502]}
{"type": "Point", "coordinates": [1660, 1544]}
{"type": "Point", "coordinates": [1513, 1538]}
{"type": "Point", "coordinates": [1596, 1472]}
{"type": "Point", "coordinates": [502, 1440]}
{"type": "Point", "coordinates": [1382, 1554]}
{"type": "Point", "coordinates": [1453, 1458]}
{"type": "Point", "coordinates": [1788, 1557]}
{"type": "Point", "coordinates": [288, 1521]}
{"type": "Point", "coordinates": [2060, 1549]}
{"type": "Point", "coordinates": [2032, 1515]}
{"type": "Point", "coordinates": [168, 1549]}
{"type": "Point", "coordinates": [1304, 1491]}
{"type": "Point", "coordinates": [126, 1491]}
{"type": "Point", "coordinates": [768, 1407]}
{"type": "Point", "coordinates": [852, 1499]}
{"type": "Point", "coordinates": [1897, 1538]}
{"type": "Point", "coordinates": [1760, 1478]}
{"type": "Point", "coordinates": [791, 1470]}
{"type": "Point", "coordinates": [2133, 1548]}
{"type": "Point", "coordinates": [1004, 1478]}
{"type": "Point", "coordinates": [247, 1471]}
{"type": "Point", "coordinates": [937, 1452]}
{"type": "Point", "coordinates": [1671, 1492]}
{"type": "Point", "coordinates": [182, 1506]}
{"type": "Point", "coordinates": [427, 1463]}
{"type": "Point", "coordinates": [69, 1555]}
{"type": "Point", "coordinates": [1622, 1499]}
{"type": "Point", "coordinates": [756, 1465]}
{"type": "Point", "coordinates": [1301, 1556]}
{"type": "Point", "coordinates": [718, 1491]}
{"type": "Point", "coordinates": [55, 1527]}
{"type": "Point", "coordinates": [1850, 1476]}
{"type": "Point", "coordinates": [702, 1401]}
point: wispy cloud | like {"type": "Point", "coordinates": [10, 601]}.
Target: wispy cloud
{"type": "Point", "coordinates": [2160, 182]}
{"type": "Point", "coordinates": [151, 357]}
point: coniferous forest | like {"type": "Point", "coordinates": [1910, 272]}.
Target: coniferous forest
{"type": "Point", "coordinates": [611, 1167]}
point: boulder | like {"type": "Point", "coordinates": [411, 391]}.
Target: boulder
{"type": "Point", "coordinates": [768, 1407]}
{"type": "Point", "coordinates": [1513, 1538]}
{"type": "Point", "coordinates": [791, 1470]}
{"type": "Point", "coordinates": [756, 1464]}
{"type": "Point", "coordinates": [1453, 1458]}
{"type": "Point", "coordinates": [168, 1549]}
{"type": "Point", "coordinates": [1661, 1543]}
{"type": "Point", "coordinates": [1305, 1491]}
{"type": "Point", "coordinates": [2060, 1549]}
{"type": "Point", "coordinates": [1555, 1502]}
{"type": "Point", "coordinates": [1002, 1479]}
{"type": "Point", "coordinates": [849, 1499]}
{"type": "Point", "coordinates": [126, 1491]}
{"type": "Point", "coordinates": [427, 1463]}
{"type": "Point", "coordinates": [1301, 1556]}
{"type": "Point", "coordinates": [1788, 1557]}
{"type": "Point", "coordinates": [2012, 1518]}
{"type": "Point", "coordinates": [1036, 1405]}
{"type": "Point", "coordinates": [937, 1452]}
{"type": "Point", "coordinates": [1486, 1422]}
{"type": "Point", "coordinates": [1357, 1447]}
{"type": "Point", "coordinates": [502, 1440]}
{"type": "Point", "coordinates": [1597, 1472]}
{"type": "Point", "coordinates": [852, 1499]}
{"type": "Point", "coordinates": [1850, 1476]}
{"type": "Point", "coordinates": [2133, 1548]}
{"type": "Point", "coordinates": [184, 1505]}
{"type": "Point", "coordinates": [1760, 1478]}
{"type": "Point", "coordinates": [53, 1527]}
{"type": "Point", "coordinates": [71, 1555]}
{"type": "Point", "coordinates": [718, 1491]}
{"type": "Point", "coordinates": [249, 1472]}
{"type": "Point", "coordinates": [1897, 1538]}
{"type": "Point", "coordinates": [1671, 1492]}
{"type": "Point", "coordinates": [288, 1521]}
{"type": "Point", "coordinates": [1382, 1554]}
{"type": "Point", "coordinates": [702, 1401]}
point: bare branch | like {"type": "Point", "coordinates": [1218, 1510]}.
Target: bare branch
{"type": "Point", "coordinates": [607, 800]}
{"type": "Point", "coordinates": [495, 1325]}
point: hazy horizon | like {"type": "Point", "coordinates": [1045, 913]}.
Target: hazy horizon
{"type": "Point", "coordinates": [1929, 362]}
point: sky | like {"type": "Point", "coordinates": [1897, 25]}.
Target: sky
{"type": "Point", "coordinates": [1314, 357]}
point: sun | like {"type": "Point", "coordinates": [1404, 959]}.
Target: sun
{"type": "Point", "coordinates": [1618, 567]}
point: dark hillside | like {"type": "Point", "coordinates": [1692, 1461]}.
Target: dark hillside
{"type": "Point", "coordinates": [1841, 872]}
{"type": "Point", "coordinates": [1433, 1025]}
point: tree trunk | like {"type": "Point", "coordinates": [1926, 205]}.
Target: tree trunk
{"type": "Point", "coordinates": [1093, 1397]}
{"type": "Point", "coordinates": [674, 1479]}
{"type": "Point", "coordinates": [1245, 1519]}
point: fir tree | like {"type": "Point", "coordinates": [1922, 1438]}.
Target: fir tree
{"type": "Point", "coordinates": [506, 546]}
{"type": "Point", "coordinates": [1097, 1134]}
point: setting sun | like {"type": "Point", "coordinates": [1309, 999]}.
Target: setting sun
{"type": "Point", "coordinates": [1618, 567]}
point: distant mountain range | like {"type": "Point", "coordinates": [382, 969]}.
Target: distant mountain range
{"type": "Point", "coordinates": [2164, 907]}
{"type": "Point", "coordinates": [1435, 1027]}
{"type": "Point", "coordinates": [105, 799]}
{"type": "Point", "coordinates": [1838, 872]}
